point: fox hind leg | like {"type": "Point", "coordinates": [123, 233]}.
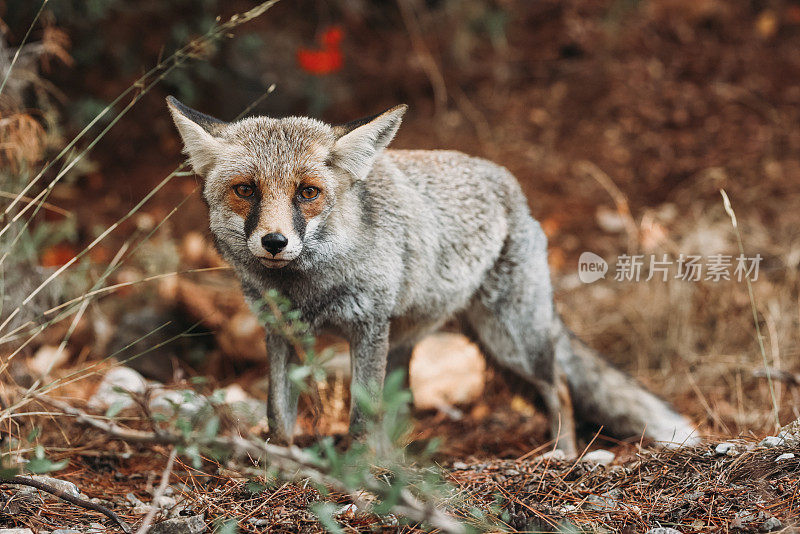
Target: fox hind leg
{"type": "Point", "coordinates": [513, 320]}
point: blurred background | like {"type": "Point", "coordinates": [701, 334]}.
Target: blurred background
{"type": "Point", "coordinates": [622, 119]}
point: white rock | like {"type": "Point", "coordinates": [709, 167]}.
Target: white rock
{"type": "Point", "coordinates": [599, 456]}
{"type": "Point", "coordinates": [181, 525]}
{"type": "Point", "coordinates": [47, 358]}
{"type": "Point", "coordinates": [555, 454]}
{"type": "Point", "coordinates": [243, 406]}
{"type": "Point", "coordinates": [446, 369]}
{"type": "Point", "coordinates": [348, 511]}
{"type": "Point", "coordinates": [164, 502]}
{"type": "Point", "coordinates": [724, 448]}
{"type": "Point", "coordinates": [118, 378]}
{"type": "Point", "coordinates": [663, 530]}
{"type": "Point", "coordinates": [188, 402]}
{"type": "Point", "coordinates": [785, 456]}
{"type": "Point", "coordinates": [390, 520]}
{"type": "Point", "coordinates": [15, 531]}
{"type": "Point", "coordinates": [63, 485]}
{"type": "Point", "coordinates": [771, 441]}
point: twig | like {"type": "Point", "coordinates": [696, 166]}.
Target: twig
{"type": "Point", "coordinates": [162, 487]}
{"type": "Point", "coordinates": [61, 494]}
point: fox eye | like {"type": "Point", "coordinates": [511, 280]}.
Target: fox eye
{"type": "Point", "coordinates": [309, 193]}
{"type": "Point", "coordinates": [244, 190]}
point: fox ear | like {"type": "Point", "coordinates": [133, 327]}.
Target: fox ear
{"type": "Point", "coordinates": [198, 132]}
{"type": "Point", "coordinates": [360, 141]}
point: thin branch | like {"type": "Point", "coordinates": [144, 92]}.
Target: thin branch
{"type": "Point", "coordinates": [162, 487]}
{"type": "Point", "coordinates": [61, 494]}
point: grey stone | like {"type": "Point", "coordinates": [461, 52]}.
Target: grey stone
{"type": "Point", "coordinates": [555, 454]}
{"type": "Point", "coordinates": [601, 503]}
{"type": "Point", "coordinates": [181, 525]}
{"type": "Point", "coordinates": [663, 530]}
{"type": "Point", "coordinates": [15, 531]}
{"type": "Point", "coordinates": [772, 441]}
{"type": "Point", "coordinates": [63, 485]}
{"type": "Point", "coordinates": [785, 456]}
{"type": "Point", "coordinates": [189, 403]}
{"type": "Point", "coordinates": [66, 531]}
{"type": "Point", "coordinates": [599, 456]}
{"type": "Point", "coordinates": [773, 523]}
{"type": "Point", "coordinates": [724, 448]}
{"type": "Point", "coordinates": [119, 378]}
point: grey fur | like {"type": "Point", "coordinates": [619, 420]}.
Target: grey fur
{"type": "Point", "coordinates": [406, 241]}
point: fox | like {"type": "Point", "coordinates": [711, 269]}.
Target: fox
{"type": "Point", "coordinates": [384, 246]}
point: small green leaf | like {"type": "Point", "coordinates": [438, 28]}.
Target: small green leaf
{"type": "Point", "coordinates": [228, 526]}
{"type": "Point", "coordinates": [35, 432]}
{"type": "Point", "coordinates": [40, 466]}
{"type": "Point", "coordinates": [114, 409]}
{"type": "Point", "coordinates": [255, 487]}
{"type": "Point", "coordinates": [211, 428]}
{"type": "Point", "coordinates": [324, 512]}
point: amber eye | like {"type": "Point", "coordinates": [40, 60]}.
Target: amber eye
{"type": "Point", "coordinates": [244, 190]}
{"type": "Point", "coordinates": [309, 193]}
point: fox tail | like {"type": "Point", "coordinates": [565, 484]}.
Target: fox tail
{"type": "Point", "coordinates": [606, 396]}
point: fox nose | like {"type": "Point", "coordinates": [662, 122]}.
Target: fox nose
{"type": "Point", "coordinates": [274, 242]}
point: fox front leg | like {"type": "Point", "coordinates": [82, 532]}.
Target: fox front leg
{"type": "Point", "coordinates": [369, 347]}
{"type": "Point", "coordinates": [283, 394]}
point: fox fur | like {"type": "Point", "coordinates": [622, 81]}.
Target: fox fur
{"type": "Point", "coordinates": [395, 243]}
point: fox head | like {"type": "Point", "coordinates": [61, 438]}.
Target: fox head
{"type": "Point", "coordinates": [270, 184]}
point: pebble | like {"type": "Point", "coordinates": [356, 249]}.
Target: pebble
{"type": "Point", "coordinates": [390, 520]}
{"type": "Point", "coordinates": [348, 511]}
{"type": "Point", "coordinates": [601, 503]}
{"type": "Point", "coordinates": [771, 441]}
{"type": "Point", "coordinates": [599, 456]}
{"type": "Point", "coordinates": [108, 393]}
{"type": "Point", "coordinates": [555, 454]}
{"type": "Point", "coordinates": [63, 485]}
{"type": "Point", "coordinates": [725, 448]}
{"type": "Point", "coordinates": [181, 525]}
{"type": "Point", "coordinates": [15, 531]}
{"type": "Point", "coordinates": [789, 436]}
{"type": "Point", "coordinates": [66, 531]}
{"type": "Point", "coordinates": [773, 523]}
{"type": "Point", "coordinates": [188, 402]}
{"type": "Point", "coordinates": [460, 466]}
{"type": "Point", "coordinates": [663, 530]}
{"type": "Point", "coordinates": [785, 456]}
